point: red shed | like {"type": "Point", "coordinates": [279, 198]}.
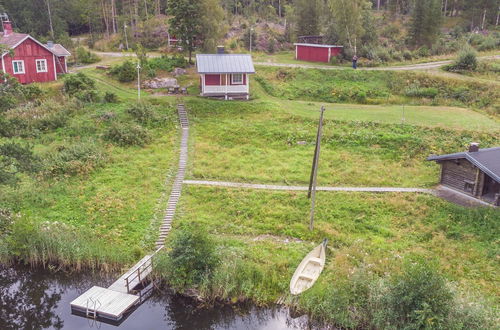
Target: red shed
{"type": "Point", "coordinates": [316, 53]}
{"type": "Point", "coordinates": [31, 61]}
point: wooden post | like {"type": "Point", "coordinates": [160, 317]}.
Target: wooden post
{"type": "Point", "coordinates": [314, 172]}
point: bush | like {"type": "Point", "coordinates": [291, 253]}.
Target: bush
{"type": "Point", "coordinates": [417, 298]}
{"type": "Point", "coordinates": [11, 92]}
{"type": "Point", "coordinates": [191, 258]}
{"type": "Point", "coordinates": [143, 113]}
{"type": "Point", "coordinates": [466, 61]}
{"type": "Point", "coordinates": [75, 159]}
{"type": "Point", "coordinates": [86, 57]}
{"type": "Point", "coordinates": [76, 83]}
{"type": "Point", "coordinates": [429, 92]}
{"type": "Point", "coordinates": [127, 134]}
{"type": "Point", "coordinates": [14, 159]}
{"type": "Point", "coordinates": [110, 97]}
{"type": "Point", "coordinates": [125, 72]}
{"type": "Point", "coordinates": [423, 52]}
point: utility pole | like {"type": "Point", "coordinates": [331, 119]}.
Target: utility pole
{"type": "Point", "coordinates": [314, 172]}
{"type": "Point", "coordinates": [138, 81]}
{"type": "Point", "coordinates": [50, 19]}
{"type": "Point", "coordinates": [251, 34]}
{"type": "Point", "coordinates": [125, 31]}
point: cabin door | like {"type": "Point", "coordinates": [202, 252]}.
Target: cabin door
{"type": "Point", "coordinates": [490, 188]}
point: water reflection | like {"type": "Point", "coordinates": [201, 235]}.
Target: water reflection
{"type": "Point", "coordinates": [41, 300]}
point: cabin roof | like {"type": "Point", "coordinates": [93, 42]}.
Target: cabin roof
{"type": "Point", "coordinates": [224, 63]}
{"type": "Point", "coordinates": [13, 39]}
{"type": "Point", "coordinates": [487, 160]}
{"type": "Point", "coordinates": [317, 45]}
{"type": "Point", "coordinates": [58, 50]}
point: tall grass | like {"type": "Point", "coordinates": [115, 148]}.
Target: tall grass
{"type": "Point", "coordinates": [60, 244]}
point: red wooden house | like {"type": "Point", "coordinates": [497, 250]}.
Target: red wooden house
{"type": "Point", "coordinates": [315, 52]}
{"type": "Point", "coordinates": [225, 75]}
{"type": "Point", "coordinates": [29, 60]}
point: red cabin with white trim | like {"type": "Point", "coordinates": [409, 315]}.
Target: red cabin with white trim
{"type": "Point", "coordinates": [316, 53]}
{"type": "Point", "coordinates": [29, 60]}
{"type": "Point", "coordinates": [225, 75]}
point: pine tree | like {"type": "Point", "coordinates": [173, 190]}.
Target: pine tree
{"type": "Point", "coordinates": [308, 17]}
{"type": "Point", "coordinates": [426, 22]}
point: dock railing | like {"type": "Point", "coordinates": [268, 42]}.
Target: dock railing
{"type": "Point", "coordinates": [146, 266]}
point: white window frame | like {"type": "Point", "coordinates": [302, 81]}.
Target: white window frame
{"type": "Point", "coordinates": [14, 67]}
{"type": "Point", "coordinates": [233, 82]}
{"type": "Point", "coordinates": [44, 61]}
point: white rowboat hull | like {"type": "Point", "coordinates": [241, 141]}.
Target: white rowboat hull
{"type": "Point", "coordinates": [309, 270]}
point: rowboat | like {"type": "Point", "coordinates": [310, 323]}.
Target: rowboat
{"type": "Point", "coordinates": [309, 269]}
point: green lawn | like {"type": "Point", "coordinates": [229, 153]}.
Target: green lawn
{"type": "Point", "coordinates": [373, 231]}
{"type": "Point", "coordinates": [258, 142]}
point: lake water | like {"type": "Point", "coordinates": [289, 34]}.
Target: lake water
{"type": "Point", "coordinates": [40, 299]}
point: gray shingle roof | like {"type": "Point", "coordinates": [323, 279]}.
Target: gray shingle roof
{"type": "Point", "coordinates": [59, 50]}
{"type": "Point", "coordinates": [12, 39]}
{"type": "Point", "coordinates": [487, 160]}
{"type": "Point", "coordinates": [224, 63]}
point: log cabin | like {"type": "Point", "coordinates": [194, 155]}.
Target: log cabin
{"type": "Point", "coordinates": [225, 76]}
{"type": "Point", "coordinates": [28, 60]}
{"type": "Point", "coordinates": [475, 172]}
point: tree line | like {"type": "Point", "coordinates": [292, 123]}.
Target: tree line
{"type": "Point", "coordinates": [344, 21]}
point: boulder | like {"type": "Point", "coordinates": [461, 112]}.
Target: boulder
{"type": "Point", "coordinates": [156, 83]}
{"type": "Point", "coordinates": [179, 72]}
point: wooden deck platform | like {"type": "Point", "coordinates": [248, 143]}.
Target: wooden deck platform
{"type": "Point", "coordinates": [115, 301]}
{"type": "Point", "coordinates": [105, 303]}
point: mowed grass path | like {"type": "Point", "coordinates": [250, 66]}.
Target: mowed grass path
{"type": "Point", "coordinates": [365, 230]}
{"type": "Point", "coordinates": [429, 116]}
{"type": "Point", "coordinates": [262, 142]}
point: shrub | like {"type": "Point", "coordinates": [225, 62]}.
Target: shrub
{"type": "Point", "coordinates": [86, 57]}
{"type": "Point", "coordinates": [143, 113]}
{"type": "Point", "coordinates": [76, 159]}
{"type": "Point", "coordinates": [6, 221]}
{"type": "Point", "coordinates": [11, 92]}
{"type": "Point", "coordinates": [407, 55]}
{"type": "Point", "coordinates": [127, 134]}
{"type": "Point", "coordinates": [429, 92]}
{"type": "Point", "coordinates": [14, 159]}
{"type": "Point", "coordinates": [192, 258]}
{"type": "Point", "coordinates": [423, 52]}
{"type": "Point", "coordinates": [417, 298]}
{"type": "Point", "coordinates": [233, 45]}
{"type": "Point", "coordinates": [110, 97]}
{"type": "Point", "coordinates": [76, 83]}
{"type": "Point", "coordinates": [466, 61]}
{"type": "Point", "coordinates": [125, 72]}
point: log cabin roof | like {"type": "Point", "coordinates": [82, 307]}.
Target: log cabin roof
{"type": "Point", "coordinates": [487, 160]}
{"type": "Point", "coordinates": [224, 63]}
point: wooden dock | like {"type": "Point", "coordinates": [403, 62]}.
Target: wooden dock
{"type": "Point", "coordinates": [133, 287]}
{"type": "Point", "coordinates": [120, 297]}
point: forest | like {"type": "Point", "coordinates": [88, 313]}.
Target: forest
{"type": "Point", "coordinates": [361, 26]}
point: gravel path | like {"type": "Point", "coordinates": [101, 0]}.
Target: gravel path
{"type": "Point", "coordinates": [304, 188]}
{"type": "Point", "coordinates": [420, 66]}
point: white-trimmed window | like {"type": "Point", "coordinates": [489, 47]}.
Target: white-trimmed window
{"type": "Point", "coordinates": [237, 79]}
{"type": "Point", "coordinates": [18, 67]}
{"type": "Point", "coordinates": [41, 66]}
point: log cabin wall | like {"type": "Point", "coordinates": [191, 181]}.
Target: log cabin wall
{"type": "Point", "coordinates": [460, 174]}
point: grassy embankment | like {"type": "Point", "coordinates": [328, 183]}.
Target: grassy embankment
{"type": "Point", "coordinates": [94, 199]}
{"type": "Point", "coordinates": [262, 236]}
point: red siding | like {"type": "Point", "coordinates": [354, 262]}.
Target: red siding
{"type": "Point", "coordinates": [29, 51]}
{"type": "Point", "coordinates": [313, 54]}
{"type": "Point", "coordinates": [316, 54]}
{"type": "Point", "coordinates": [61, 68]}
{"type": "Point", "coordinates": [212, 80]}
